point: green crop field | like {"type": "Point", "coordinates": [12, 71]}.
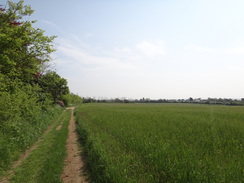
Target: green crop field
{"type": "Point", "coordinates": [162, 142]}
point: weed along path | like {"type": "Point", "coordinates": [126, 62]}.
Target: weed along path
{"type": "Point", "coordinates": [55, 157]}
{"type": "Point", "coordinates": [74, 170]}
{"type": "Point", "coordinates": [26, 154]}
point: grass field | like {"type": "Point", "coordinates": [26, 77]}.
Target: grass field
{"type": "Point", "coordinates": [163, 142]}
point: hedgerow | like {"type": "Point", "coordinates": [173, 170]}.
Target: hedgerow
{"type": "Point", "coordinates": [28, 90]}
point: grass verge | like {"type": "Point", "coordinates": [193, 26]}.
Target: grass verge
{"type": "Point", "coordinates": [17, 136]}
{"type": "Point", "coordinates": [45, 163]}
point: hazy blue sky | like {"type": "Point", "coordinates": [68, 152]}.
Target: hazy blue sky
{"type": "Point", "coordinates": [152, 49]}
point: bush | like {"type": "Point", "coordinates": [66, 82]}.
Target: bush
{"type": "Point", "coordinates": [23, 118]}
{"type": "Point", "coordinates": [71, 99]}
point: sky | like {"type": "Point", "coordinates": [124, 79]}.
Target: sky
{"type": "Point", "coordinates": [168, 49]}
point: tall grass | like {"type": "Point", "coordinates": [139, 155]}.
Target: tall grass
{"type": "Point", "coordinates": [45, 163]}
{"type": "Point", "coordinates": [163, 142]}
{"type": "Point", "coordinates": [17, 135]}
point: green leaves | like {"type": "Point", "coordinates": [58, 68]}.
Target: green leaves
{"type": "Point", "coordinates": [24, 49]}
{"type": "Point", "coordinates": [52, 83]}
{"type": "Point", "coordinates": [18, 10]}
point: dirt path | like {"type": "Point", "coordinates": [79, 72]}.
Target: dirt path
{"type": "Point", "coordinates": [74, 170]}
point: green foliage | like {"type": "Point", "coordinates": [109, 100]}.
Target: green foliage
{"type": "Point", "coordinates": [162, 142]}
{"type": "Point", "coordinates": [23, 49]}
{"type": "Point", "coordinates": [71, 99]}
{"type": "Point", "coordinates": [53, 84]}
{"type": "Point", "coordinates": [66, 99]}
{"type": "Point", "coordinates": [22, 118]}
{"type": "Point", "coordinates": [75, 99]}
{"type": "Point", "coordinates": [21, 102]}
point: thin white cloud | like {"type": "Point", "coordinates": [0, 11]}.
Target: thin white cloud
{"type": "Point", "coordinates": [142, 53]}
{"type": "Point", "coordinates": [78, 55]}
{"type": "Point", "coordinates": [48, 22]}
{"type": "Point", "coordinates": [237, 50]}
{"type": "Point", "coordinates": [81, 56]}
{"type": "Point", "coordinates": [193, 47]}
{"type": "Point", "coordinates": [88, 35]}
{"type": "Point", "coordinates": [83, 53]}
{"type": "Point", "coordinates": [95, 67]}
{"type": "Point", "coordinates": [52, 24]}
{"type": "Point", "coordinates": [151, 49]}
{"type": "Point", "coordinates": [125, 54]}
{"type": "Point", "coordinates": [221, 51]}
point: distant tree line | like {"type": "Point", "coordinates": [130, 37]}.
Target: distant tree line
{"type": "Point", "coordinates": [222, 101]}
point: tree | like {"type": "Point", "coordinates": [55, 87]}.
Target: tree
{"type": "Point", "coordinates": [23, 49]}
{"type": "Point", "coordinates": [71, 99]}
{"type": "Point", "coordinates": [53, 84]}
{"type": "Point", "coordinates": [190, 99]}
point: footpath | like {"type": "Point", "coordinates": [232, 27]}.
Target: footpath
{"type": "Point", "coordinates": [74, 171]}
{"type": "Point", "coordinates": [55, 157]}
